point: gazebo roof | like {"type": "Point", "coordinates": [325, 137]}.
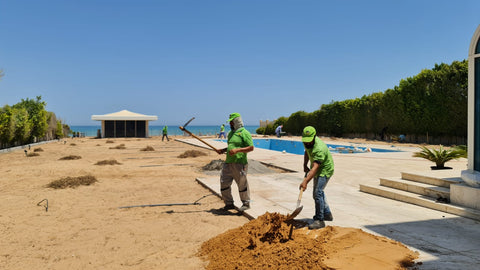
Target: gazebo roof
{"type": "Point", "coordinates": [124, 115]}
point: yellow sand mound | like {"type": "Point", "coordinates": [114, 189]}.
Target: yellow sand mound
{"type": "Point", "coordinates": [266, 243]}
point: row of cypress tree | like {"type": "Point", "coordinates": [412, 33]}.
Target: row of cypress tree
{"type": "Point", "coordinates": [430, 107]}
{"type": "Point", "coordinates": [27, 122]}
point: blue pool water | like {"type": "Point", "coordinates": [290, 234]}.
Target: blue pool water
{"type": "Point", "coordinates": [296, 147]}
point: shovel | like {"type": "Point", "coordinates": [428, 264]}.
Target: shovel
{"type": "Point", "coordinates": [299, 207]}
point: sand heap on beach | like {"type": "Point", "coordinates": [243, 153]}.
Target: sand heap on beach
{"type": "Point", "coordinates": [269, 243]}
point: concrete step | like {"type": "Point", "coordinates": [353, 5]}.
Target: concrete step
{"type": "Point", "coordinates": [420, 200]}
{"type": "Point", "coordinates": [432, 191]}
{"type": "Point", "coordinates": [437, 181]}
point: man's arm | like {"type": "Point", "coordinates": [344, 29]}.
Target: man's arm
{"type": "Point", "coordinates": [241, 150]}
{"type": "Point", "coordinates": [305, 162]}
{"type": "Point", "coordinates": [310, 175]}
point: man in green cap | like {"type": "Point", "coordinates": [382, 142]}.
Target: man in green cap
{"type": "Point", "coordinates": [239, 143]}
{"type": "Point", "coordinates": [222, 132]}
{"type": "Point", "coordinates": [321, 169]}
{"type": "Point", "coordinates": [165, 133]}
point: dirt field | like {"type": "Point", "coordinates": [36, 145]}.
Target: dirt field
{"type": "Point", "coordinates": [85, 228]}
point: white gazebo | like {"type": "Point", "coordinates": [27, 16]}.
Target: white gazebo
{"type": "Point", "coordinates": [124, 124]}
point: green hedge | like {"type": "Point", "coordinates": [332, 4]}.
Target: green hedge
{"type": "Point", "coordinates": [434, 102]}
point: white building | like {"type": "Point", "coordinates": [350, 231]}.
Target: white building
{"type": "Point", "coordinates": [124, 124]}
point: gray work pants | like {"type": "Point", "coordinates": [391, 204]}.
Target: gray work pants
{"type": "Point", "coordinates": [237, 172]}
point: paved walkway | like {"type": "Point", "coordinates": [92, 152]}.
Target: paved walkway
{"type": "Point", "coordinates": [444, 241]}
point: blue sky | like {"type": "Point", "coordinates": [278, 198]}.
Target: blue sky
{"type": "Point", "coordinates": [205, 59]}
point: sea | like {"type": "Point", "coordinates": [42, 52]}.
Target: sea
{"type": "Point", "coordinates": [91, 131]}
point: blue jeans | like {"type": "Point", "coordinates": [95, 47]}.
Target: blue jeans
{"type": "Point", "coordinates": [321, 205]}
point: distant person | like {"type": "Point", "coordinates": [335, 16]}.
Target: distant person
{"type": "Point", "coordinates": [278, 131]}
{"type": "Point", "coordinates": [321, 169]}
{"type": "Point", "coordinates": [239, 143]}
{"type": "Point", "coordinates": [165, 133]}
{"type": "Point", "coordinates": [402, 138]}
{"type": "Point", "coordinates": [383, 133]}
{"type": "Point", "coordinates": [222, 132]}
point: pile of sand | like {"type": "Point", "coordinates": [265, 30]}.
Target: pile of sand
{"type": "Point", "coordinates": [268, 242]}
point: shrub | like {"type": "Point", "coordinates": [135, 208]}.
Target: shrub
{"type": "Point", "coordinates": [192, 153]}
{"type": "Point", "coordinates": [121, 146]}
{"type": "Point", "coordinates": [72, 182]}
{"type": "Point", "coordinates": [71, 157]}
{"type": "Point", "coordinates": [148, 148]}
{"type": "Point", "coordinates": [440, 156]}
{"type": "Point", "coordinates": [108, 162]}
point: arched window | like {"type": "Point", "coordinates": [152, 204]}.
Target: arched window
{"type": "Point", "coordinates": [477, 49]}
{"type": "Point", "coordinates": [474, 92]}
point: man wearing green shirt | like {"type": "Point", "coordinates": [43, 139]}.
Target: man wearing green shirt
{"type": "Point", "coordinates": [222, 131]}
{"type": "Point", "coordinates": [239, 143]}
{"type": "Point", "coordinates": [321, 169]}
{"type": "Point", "coordinates": [165, 133]}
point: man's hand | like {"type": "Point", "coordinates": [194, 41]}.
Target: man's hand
{"type": "Point", "coordinates": [309, 174]}
{"type": "Point", "coordinates": [221, 151]}
{"type": "Point", "coordinates": [303, 185]}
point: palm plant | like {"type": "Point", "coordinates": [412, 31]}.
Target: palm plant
{"type": "Point", "coordinates": [440, 156]}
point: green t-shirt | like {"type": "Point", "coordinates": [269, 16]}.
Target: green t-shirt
{"type": "Point", "coordinates": [222, 128]}
{"type": "Point", "coordinates": [238, 139]}
{"type": "Point", "coordinates": [165, 130]}
{"type": "Point", "coordinates": [320, 153]}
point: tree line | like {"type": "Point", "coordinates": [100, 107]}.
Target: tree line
{"type": "Point", "coordinates": [27, 122]}
{"type": "Point", "coordinates": [430, 107]}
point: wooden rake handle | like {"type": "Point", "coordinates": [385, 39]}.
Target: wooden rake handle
{"type": "Point", "coordinates": [194, 136]}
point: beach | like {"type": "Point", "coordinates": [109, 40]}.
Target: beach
{"type": "Point", "coordinates": [85, 227]}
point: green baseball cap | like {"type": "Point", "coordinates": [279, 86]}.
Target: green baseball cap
{"type": "Point", "coordinates": [233, 116]}
{"type": "Point", "coordinates": [308, 134]}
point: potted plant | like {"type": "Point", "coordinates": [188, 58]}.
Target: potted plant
{"type": "Point", "coordinates": [441, 156]}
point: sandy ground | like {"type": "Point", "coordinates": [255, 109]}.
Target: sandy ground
{"type": "Point", "coordinates": [84, 228]}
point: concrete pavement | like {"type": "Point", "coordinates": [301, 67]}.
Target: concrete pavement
{"type": "Point", "coordinates": [444, 241]}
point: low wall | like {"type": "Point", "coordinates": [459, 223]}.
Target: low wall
{"type": "Point", "coordinates": [11, 149]}
{"type": "Point", "coordinates": [464, 195]}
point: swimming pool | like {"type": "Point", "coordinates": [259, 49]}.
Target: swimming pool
{"type": "Point", "coordinates": [296, 147]}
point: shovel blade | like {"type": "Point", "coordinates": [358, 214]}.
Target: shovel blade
{"type": "Point", "coordinates": [295, 213]}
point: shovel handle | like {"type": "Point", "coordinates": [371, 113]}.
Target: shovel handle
{"type": "Point", "coordinates": [299, 198]}
{"type": "Point", "coordinates": [300, 195]}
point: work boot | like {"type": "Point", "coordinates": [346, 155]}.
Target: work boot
{"type": "Point", "coordinates": [317, 224]}
{"type": "Point", "coordinates": [244, 207]}
{"type": "Point", "coordinates": [328, 217]}
{"type": "Point", "coordinates": [228, 207]}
